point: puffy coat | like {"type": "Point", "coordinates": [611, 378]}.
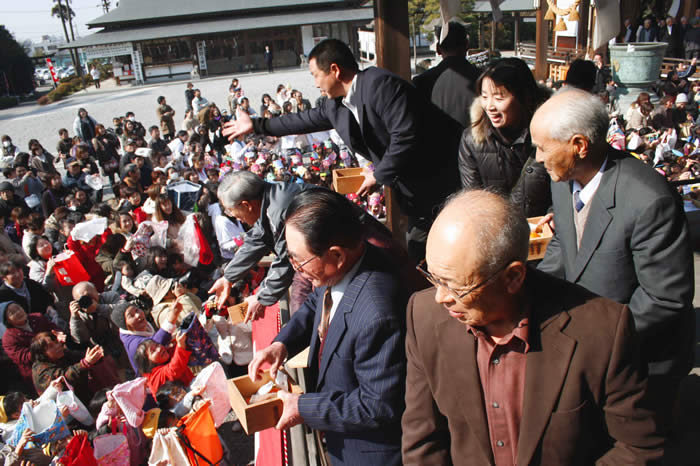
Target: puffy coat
{"type": "Point", "coordinates": [487, 161]}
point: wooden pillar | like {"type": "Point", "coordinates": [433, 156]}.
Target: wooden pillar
{"type": "Point", "coordinates": [541, 43]}
{"type": "Point", "coordinates": [493, 35]}
{"type": "Point", "coordinates": [583, 11]}
{"type": "Point", "coordinates": [393, 54]}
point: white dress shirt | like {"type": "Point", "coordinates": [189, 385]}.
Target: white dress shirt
{"type": "Point", "coordinates": [338, 290]}
{"type": "Point", "coordinates": [586, 193]}
{"type": "Point", "coordinates": [350, 100]}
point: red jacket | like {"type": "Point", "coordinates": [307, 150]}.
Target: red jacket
{"type": "Point", "coordinates": [86, 253]}
{"type": "Point", "coordinates": [176, 369]}
{"type": "Point", "coordinates": [16, 343]}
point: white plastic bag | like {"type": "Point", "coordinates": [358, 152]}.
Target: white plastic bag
{"type": "Point", "coordinates": [190, 245]}
{"type": "Point", "coordinates": [85, 231]}
{"type": "Point", "coordinates": [76, 407]}
{"type": "Point", "coordinates": [167, 448]}
{"type": "Point", "coordinates": [94, 181]}
{"type": "Point", "coordinates": [213, 378]}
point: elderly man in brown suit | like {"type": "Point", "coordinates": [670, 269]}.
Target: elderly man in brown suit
{"type": "Point", "coordinates": [508, 365]}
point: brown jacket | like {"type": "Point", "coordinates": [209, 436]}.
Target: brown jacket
{"type": "Point", "coordinates": [585, 390]}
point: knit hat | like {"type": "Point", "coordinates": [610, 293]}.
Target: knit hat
{"type": "Point", "coordinates": [118, 315]}
{"type": "Point", "coordinates": [130, 396]}
{"type": "Point", "coordinates": [6, 186]}
{"type": "Point", "coordinates": [681, 99]}
{"type": "Point", "coordinates": [158, 287]}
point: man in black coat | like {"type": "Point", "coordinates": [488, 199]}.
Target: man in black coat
{"type": "Point", "coordinates": [26, 292]}
{"type": "Point", "coordinates": [672, 35]}
{"type": "Point", "coordinates": [411, 142]}
{"type": "Point", "coordinates": [450, 85]}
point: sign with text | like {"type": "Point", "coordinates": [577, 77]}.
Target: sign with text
{"type": "Point", "coordinates": [202, 55]}
{"type": "Point", "coordinates": [108, 51]}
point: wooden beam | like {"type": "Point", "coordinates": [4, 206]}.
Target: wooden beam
{"type": "Point", "coordinates": [393, 54]}
{"type": "Point", "coordinates": [541, 43]}
{"type": "Point", "coordinates": [391, 36]}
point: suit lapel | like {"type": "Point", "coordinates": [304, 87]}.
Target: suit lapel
{"type": "Point", "coordinates": [313, 346]}
{"type": "Point", "coordinates": [338, 325]}
{"type": "Point", "coordinates": [547, 365]}
{"type": "Point", "coordinates": [463, 374]}
{"type": "Point", "coordinates": [565, 224]}
{"type": "Point", "coordinates": [358, 92]}
{"type": "Point", "coordinates": [598, 218]}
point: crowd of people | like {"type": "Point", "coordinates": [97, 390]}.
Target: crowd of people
{"type": "Point", "coordinates": [121, 255]}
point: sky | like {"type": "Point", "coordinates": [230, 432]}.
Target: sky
{"type": "Point", "coordinates": [30, 19]}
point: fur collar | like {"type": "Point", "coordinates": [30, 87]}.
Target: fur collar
{"type": "Point", "coordinates": [481, 131]}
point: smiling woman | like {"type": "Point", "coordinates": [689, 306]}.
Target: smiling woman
{"type": "Point", "coordinates": [496, 152]}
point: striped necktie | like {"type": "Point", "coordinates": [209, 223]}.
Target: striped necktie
{"type": "Point", "coordinates": [578, 203]}
{"type": "Point", "coordinates": [325, 321]}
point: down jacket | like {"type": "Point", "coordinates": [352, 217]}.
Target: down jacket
{"type": "Point", "coordinates": [487, 161]}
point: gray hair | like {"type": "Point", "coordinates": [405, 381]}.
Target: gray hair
{"type": "Point", "coordinates": [580, 113]}
{"type": "Point", "coordinates": [240, 186]}
{"type": "Point", "coordinates": [500, 229]}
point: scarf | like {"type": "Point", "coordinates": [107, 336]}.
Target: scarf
{"type": "Point", "coordinates": [146, 333]}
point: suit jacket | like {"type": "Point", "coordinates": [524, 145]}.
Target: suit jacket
{"type": "Point", "coordinates": [267, 234]}
{"type": "Point", "coordinates": [584, 379]}
{"type": "Point", "coordinates": [356, 396]}
{"type": "Point", "coordinates": [41, 299]}
{"type": "Point", "coordinates": [450, 86]}
{"type": "Point", "coordinates": [635, 250]}
{"type": "Point", "coordinates": [412, 143]}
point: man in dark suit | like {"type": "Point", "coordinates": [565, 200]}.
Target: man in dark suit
{"type": "Point", "coordinates": [672, 35]}
{"type": "Point", "coordinates": [411, 142]}
{"type": "Point", "coordinates": [450, 85]}
{"type": "Point", "coordinates": [24, 291]}
{"type": "Point", "coordinates": [620, 232]}
{"type": "Point", "coordinates": [508, 365]}
{"type": "Point", "coordinates": [354, 323]}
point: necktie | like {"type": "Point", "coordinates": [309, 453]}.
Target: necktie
{"type": "Point", "coordinates": [578, 203]}
{"type": "Point", "coordinates": [325, 320]}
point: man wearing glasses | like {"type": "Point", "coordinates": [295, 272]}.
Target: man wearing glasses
{"type": "Point", "coordinates": [354, 323]}
{"type": "Point", "coordinates": [508, 365]}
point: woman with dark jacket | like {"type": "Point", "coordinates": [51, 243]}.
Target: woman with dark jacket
{"type": "Point", "coordinates": [87, 373]}
{"type": "Point", "coordinates": [18, 329]}
{"type": "Point", "coordinates": [84, 126]}
{"type": "Point", "coordinates": [496, 152]}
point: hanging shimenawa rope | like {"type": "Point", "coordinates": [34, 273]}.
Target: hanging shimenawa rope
{"type": "Point", "coordinates": [571, 12]}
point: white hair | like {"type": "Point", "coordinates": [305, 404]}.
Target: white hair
{"type": "Point", "coordinates": [240, 186]}
{"type": "Point", "coordinates": [580, 113]}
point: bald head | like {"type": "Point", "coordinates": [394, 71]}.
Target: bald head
{"type": "Point", "coordinates": [480, 231]}
{"type": "Point", "coordinates": [83, 288]}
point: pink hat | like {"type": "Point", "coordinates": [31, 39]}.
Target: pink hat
{"type": "Point", "coordinates": [130, 396]}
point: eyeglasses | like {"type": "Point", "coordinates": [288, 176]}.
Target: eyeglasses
{"type": "Point", "coordinates": [422, 267]}
{"type": "Point", "coordinates": [298, 267]}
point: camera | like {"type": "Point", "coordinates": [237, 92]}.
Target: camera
{"type": "Point", "coordinates": [85, 302]}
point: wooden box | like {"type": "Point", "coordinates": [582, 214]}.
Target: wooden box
{"type": "Point", "coordinates": [256, 416]}
{"type": "Point", "coordinates": [347, 180]}
{"type": "Point", "coordinates": [538, 246]}
{"type": "Point", "coordinates": [237, 312]}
